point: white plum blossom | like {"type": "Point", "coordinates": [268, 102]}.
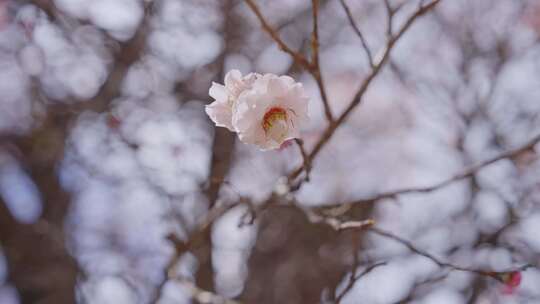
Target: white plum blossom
{"type": "Point", "coordinates": [220, 111]}
{"type": "Point", "coordinates": [265, 110]}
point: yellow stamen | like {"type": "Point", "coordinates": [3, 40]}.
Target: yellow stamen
{"type": "Point", "coordinates": [275, 124]}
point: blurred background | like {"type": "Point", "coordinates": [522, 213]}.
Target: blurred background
{"type": "Point", "coordinates": [112, 175]}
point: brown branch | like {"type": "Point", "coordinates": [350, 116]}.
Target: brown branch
{"type": "Point", "coordinates": [315, 33]}
{"type": "Point", "coordinates": [195, 239]}
{"type": "Point", "coordinates": [305, 160]}
{"type": "Point", "coordinates": [40, 151]}
{"type": "Point", "coordinates": [453, 267]}
{"type": "Point", "coordinates": [275, 36]}
{"type": "Point", "coordinates": [199, 241]}
{"type": "Point", "coordinates": [358, 97]}
{"type": "Point", "coordinates": [389, 18]}
{"type": "Point", "coordinates": [315, 69]}
{"type": "Point", "coordinates": [222, 155]}
{"type": "Point", "coordinates": [312, 67]}
{"type": "Point", "coordinates": [358, 32]}
{"type": "Point", "coordinates": [354, 277]}
{"type": "Point", "coordinates": [408, 299]}
{"type": "Point", "coordinates": [465, 173]}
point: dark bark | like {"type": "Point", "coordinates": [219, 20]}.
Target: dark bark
{"type": "Point", "coordinates": [39, 263]}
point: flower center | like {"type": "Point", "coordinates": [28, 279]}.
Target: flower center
{"type": "Point", "coordinates": [275, 124]}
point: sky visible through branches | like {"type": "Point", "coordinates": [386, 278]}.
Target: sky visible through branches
{"type": "Point", "coordinates": [414, 180]}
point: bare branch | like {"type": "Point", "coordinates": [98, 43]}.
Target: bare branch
{"type": "Point", "coordinates": [195, 238]}
{"type": "Point", "coordinates": [315, 32]}
{"type": "Point", "coordinates": [356, 29]}
{"type": "Point", "coordinates": [306, 163]}
{"type": "Point", "coordinates": [358, 97]}
{"type": "Point", "coordinates": [380, 63]}
{"type": "Point", "coordinates": [312, 67]}
{"type": "Point", "coordinates": [315, 69]}
{"type": "Point", "coordinates": [389, 18]}
{"type": "Point", "coordinates": [275, 36]}
{"type": "Point", "coordinates": [465, 173]}
{"type": "Point", "coordinates": [493, 274]}
{"type": "Point", "coordinates": [354, 277]}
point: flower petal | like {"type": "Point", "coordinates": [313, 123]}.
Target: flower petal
{"type": "Point", "coordinates": [218, 92]}
{"type": "Point", "coordinates": [233, 78]}
{"type": "Point", "coordinates": [277, 87]}
{"type": "Point", "coordinates": [242, 104]}
{"type": "Point", "coordinates": [220, 113]}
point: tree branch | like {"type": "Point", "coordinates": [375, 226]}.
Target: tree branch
{"type": "Point", "coordinates": [196, 238]}
{"type": "Point", "coordinates": [275, 36]}
{"type": "Point", "coordinates": [312, 67]}
{"type": "Point", "coordinates": [492, 274]}
{"type": "Point", "coordinates": [465, 173]}
{"type": "Point", "coordinates": [222, 149]}
{"type": "Point", "coordinates": [358, 97]}
{"type": "Point", "coordinates": [354, 277]}
{"type": "Point", "coordinates": [305, 160]}
{"type": "Point", "coordinates": [358, 32]}
{"type": "Point", "coordinates": [315, 69]}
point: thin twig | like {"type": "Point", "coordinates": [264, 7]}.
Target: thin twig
{"type": "Point", "coordinates": [315, 69]}
{"type": "Point", "coordinates": [354, 277]}
{"type": "Point", "coordinates": [315, 33]}
{"type": "Point", "coordinates": [358, 97]}
{"type": "Point", "coordinates": [312, 67]}
{"type": "Point", "coordinates": [465, 173]}
{"type": "Point", "coordinates": [182, 246]}
{"type": "Point", "coordinates": [305, 159]}
{"type": "Point", "coordinates": [358, 32]}
{"type": "Point", "coordinates": [324, 97]}
{"type": "Point", "coordinates": [275, 36]}
{"type": "Point", "coordinates": [493, 274]}
{"type": "Point", "coordinates": [389, 18]}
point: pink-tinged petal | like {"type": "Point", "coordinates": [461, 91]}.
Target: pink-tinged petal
{"type": "Point", "coordinates": [249, 110]}
{"type": "Point", "coordinates": [261, 84]}
{"type": "Point", "coordinates": [277, 87]}
{"type": "Point", "coordinates": [233, 78]}
{"type": "Point", "coordinates": [296, 101]}
{"type": "Point", "coordinates": [285, 144]}
{"type": "Point", "coordinates": [287, 80]}
{"type": "Point", "coordinates": [254, 136]}
{"type": "Point", "coordinates": [251, 77]}
{"type": "Point", "coordinates": [265, 110]}
{"type": "Point", "coordinates": [218, 92]}
{"type": "Point", "coordinates": [220, 114]}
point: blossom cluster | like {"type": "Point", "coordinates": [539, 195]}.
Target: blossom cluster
{"type": "Point", "coordinates": [264, 110]}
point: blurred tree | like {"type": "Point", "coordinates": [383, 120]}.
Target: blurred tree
{"type": "Point", "coordinates": [415, 181]}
